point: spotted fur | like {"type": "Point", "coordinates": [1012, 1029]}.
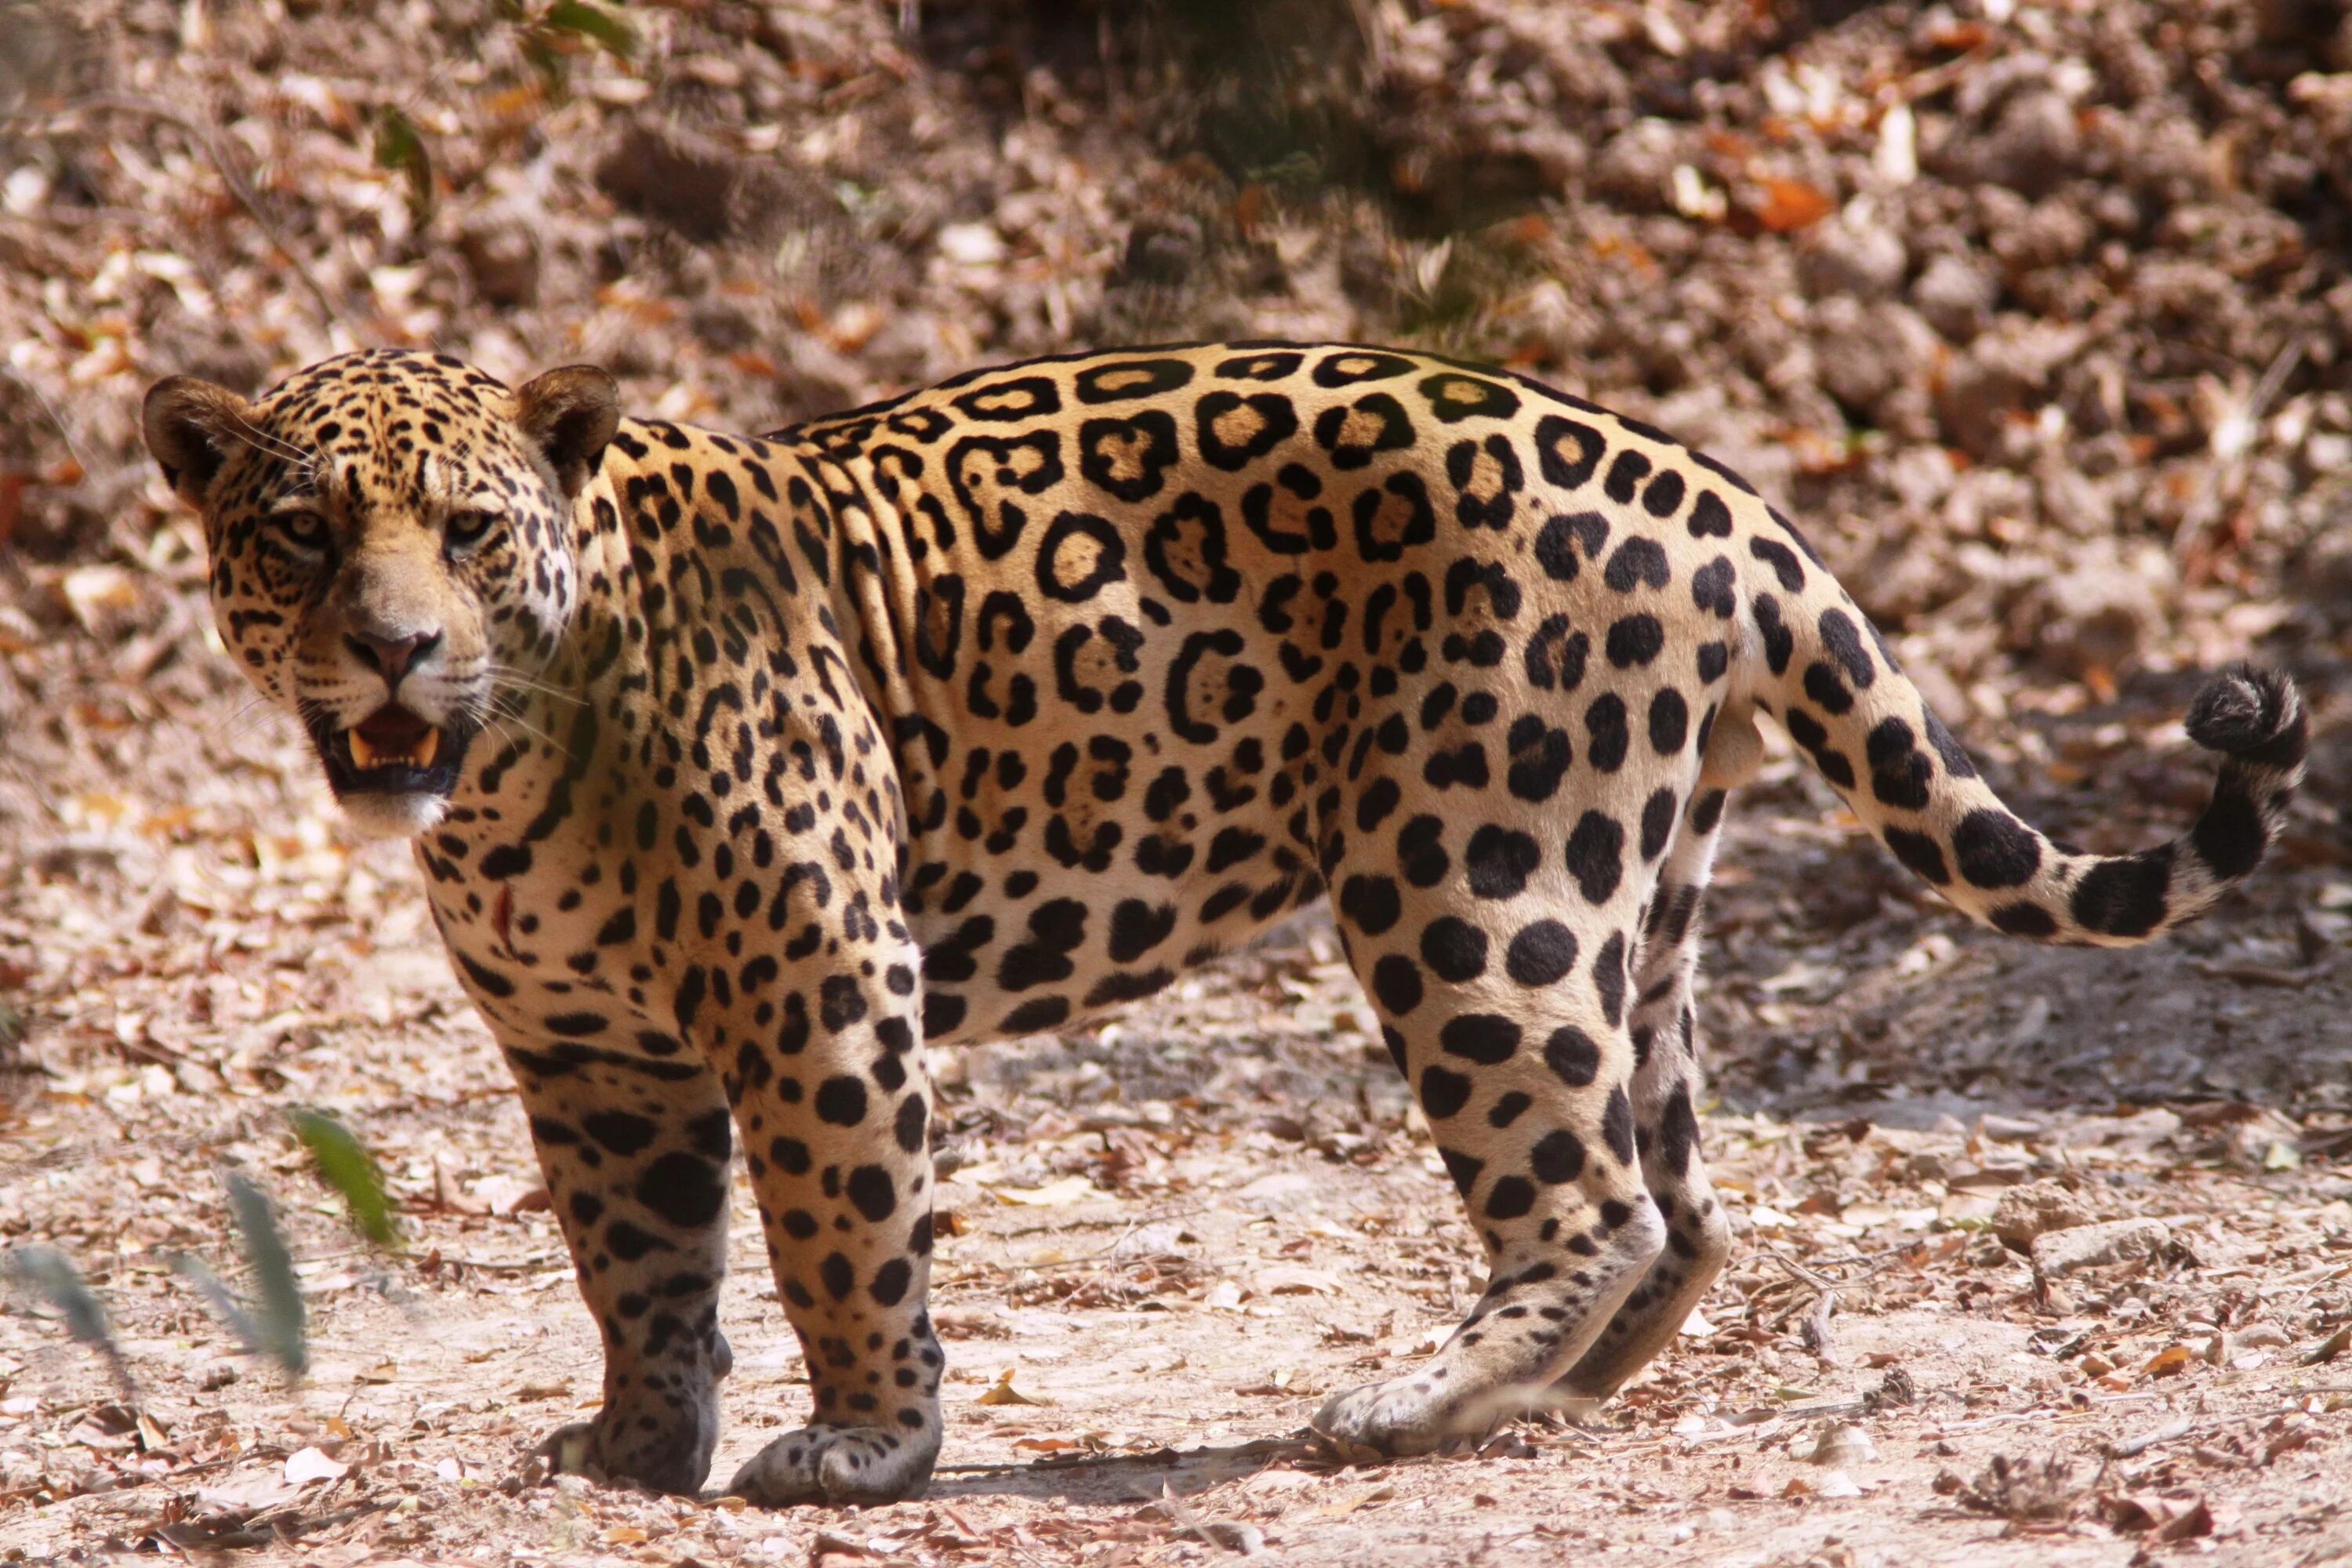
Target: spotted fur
{"type": "Point", "coordinates": [740, 768]}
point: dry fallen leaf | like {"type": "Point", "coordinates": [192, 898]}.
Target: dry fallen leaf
{"type": "Point", "coordinates": [1001, 1392]}
{"type": "Point", "coordinates": [1294, 1279]}
{"type": "Point", "coordinates": [2174, 1517]}
{"type": "Point", "coordinates": [307, 1465]}
{"type": "Point", "coordinates": [1068, 1190]}
{"type": "Point", "coordinates": [1791, 204]}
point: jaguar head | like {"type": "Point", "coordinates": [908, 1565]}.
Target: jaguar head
{"type": "Point", "coordinates": [392, 559]}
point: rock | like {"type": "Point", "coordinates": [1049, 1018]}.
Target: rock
{"type": "Point", "coordinates": [502, 253]}
{"type": "Point", "coordinates": [2047, 234]}
{"type": "Point", "coordinates": [1635, 168]}
{"type": "Point", "coordinates": [2058, 1253]}
{"type": "Point", "coordinates": [1853, 254]}
{"type": "Point", "coordinates": [2037, 1207]}
{"type": "Point", "coordinates": [1954, 296]}
{"type": "Point", "coordinates": [2001, 371]}
{"type": "Point", "coordinates": [1838, 1484]}
{"type": "Point", "coordinates": [1836, 1443]}
{"type": "Point", "coordinates": [2097, 615]}
{"type": "Point", "coordinates": [1162, 249]}
{"type": "Point", "coordinates": [2033, 143]}
{"type": "Point", "coordinates": [2077, 502]}
{"type": "Point", "coordinates": [698, 187]}
{"type": "Point", "coordinates": [678, 180]}
{"type": "Point", "coordinates": [1920, 475]}
{"type": "Point", "coordinates": [1866, 356]}
{"type": "Point", "coordinates": [971, 244]}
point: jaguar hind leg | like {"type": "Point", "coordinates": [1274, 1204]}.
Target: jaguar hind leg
{"type": "Point", "coordinates": [1664, 1030]}
{"type": "Point", "coordinates": [1504, 993]}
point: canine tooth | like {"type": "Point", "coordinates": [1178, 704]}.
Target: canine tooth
{"type": "Point", "coordinates": [362, 754]}
{"type": "Point", "coordinates": [427, 749]}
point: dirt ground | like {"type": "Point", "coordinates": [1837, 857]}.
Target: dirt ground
{"type": "Point", "coordinates": [2040, 315]}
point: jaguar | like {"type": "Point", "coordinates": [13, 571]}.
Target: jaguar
{"type": "Point", "coordinates": [741, 769]}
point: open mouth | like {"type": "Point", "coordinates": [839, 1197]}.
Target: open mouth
{"type": "Point", "coordinates": [392, 738]}
{"type": "Point", "coordinates": [393, 749]}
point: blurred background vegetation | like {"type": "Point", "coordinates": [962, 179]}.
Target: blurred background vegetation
{"type": "Point", "coordinates": [2041, 313]}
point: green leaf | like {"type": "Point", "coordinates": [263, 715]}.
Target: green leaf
{"type": "Point", "coordinates": [348, 1168]}
{"type": "Point", "coordinates": [278, 1314]}
{"type": "Point", "coordinates": [53, 1277]}
{"type": "Point", "coordinates": [596, 24]}
{"type": "Point", "coordinates": [553, 67]}
{"type": "Point", "coordinates": [223, 1300]}
{"type": "Point", "coordinates": [400, 146]}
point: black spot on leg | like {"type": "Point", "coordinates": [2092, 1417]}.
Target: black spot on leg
{"type": "Point", "coordinates": [1678, 1130]}
{"type": "Point", "coordinates": [1486, 1038]}
{"type": "Point", "coordinates": [1370, 903]}
{"type": "Point", "coordinates": [1782, 559]}
{"type": "Point", "coordinates": [1617, 1126]}
{"type": "Point", "coordinates": [1454, 949]}
{"type": "Point", "coordinates": [1443, 1093]}
{"type": "Point", "coordinates": [893, 1278]}
{"type": "Point", "coordinates": [1397, 985]}
{"type": "Point", "coordinates": [1843, 640]}
{"type": "Point", "coordinates": [871, 1189]}
{"type": "Point", "coordinates": [841, 1102]}
{"type": "Point", "coordinates": [1542, 953]}
{"type": "Point", "coordinates": [913, 1124]}
{"type": "Point", "coordinates": [682, 1189]}
{"type": "Point", "coordinates": [1571, 1054]}
{"type": "Point", "coordinates": [1558, 1157]}
{"type": "Point", "coordinates": [1499, 860]}
{"type": "Point", "coordinates": [1510, 1198]}
{"type": "Point", "coordinates": [1609, 979]}
{"type": "Point", "coordinates": [620, 1131]}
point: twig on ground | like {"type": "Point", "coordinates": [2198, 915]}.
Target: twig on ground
{"type": "Point", "coordinates": [238, 187]}
{"type": "Point", "coordinates": [1816, 1330]}
{"type": "Point", "coordinates": [2131, 1446]}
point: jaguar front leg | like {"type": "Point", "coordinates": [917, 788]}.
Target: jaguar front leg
{"type": "Point", "coordinates": [831, 1104]}
{"type": "Point", "coordinates": [634, 1151]}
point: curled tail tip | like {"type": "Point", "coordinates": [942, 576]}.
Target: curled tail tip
{"type": "Point", "coordinates": [2250, 713]}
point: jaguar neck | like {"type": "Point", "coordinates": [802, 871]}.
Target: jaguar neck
{"type": "Point", "coordinates": [548, 729]}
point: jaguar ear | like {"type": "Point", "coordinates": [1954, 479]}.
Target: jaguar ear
{"type": "Point", "coordinates": [191, 427]}
{"type": "Point", "coordinates": [569, 416]}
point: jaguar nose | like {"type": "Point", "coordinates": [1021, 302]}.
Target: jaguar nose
{"type": "Point", "coordinates": [391, 657]}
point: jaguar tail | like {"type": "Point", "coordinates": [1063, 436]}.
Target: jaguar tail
{"type": "Point", "coordinates": [1842, 698]}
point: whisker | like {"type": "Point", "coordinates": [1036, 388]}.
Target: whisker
{"type": "Point", "coordinates": [263, 441]}
{"type": "Point", "coordinates": [507, 675]}
{"type": "Point", "coordinates": [528, 728]}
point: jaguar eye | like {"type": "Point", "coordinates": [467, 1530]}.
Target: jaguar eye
{"type": "Point", "coordinates": [466, 529]}
{"type": "Point", "coordinates": [302, 530]}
